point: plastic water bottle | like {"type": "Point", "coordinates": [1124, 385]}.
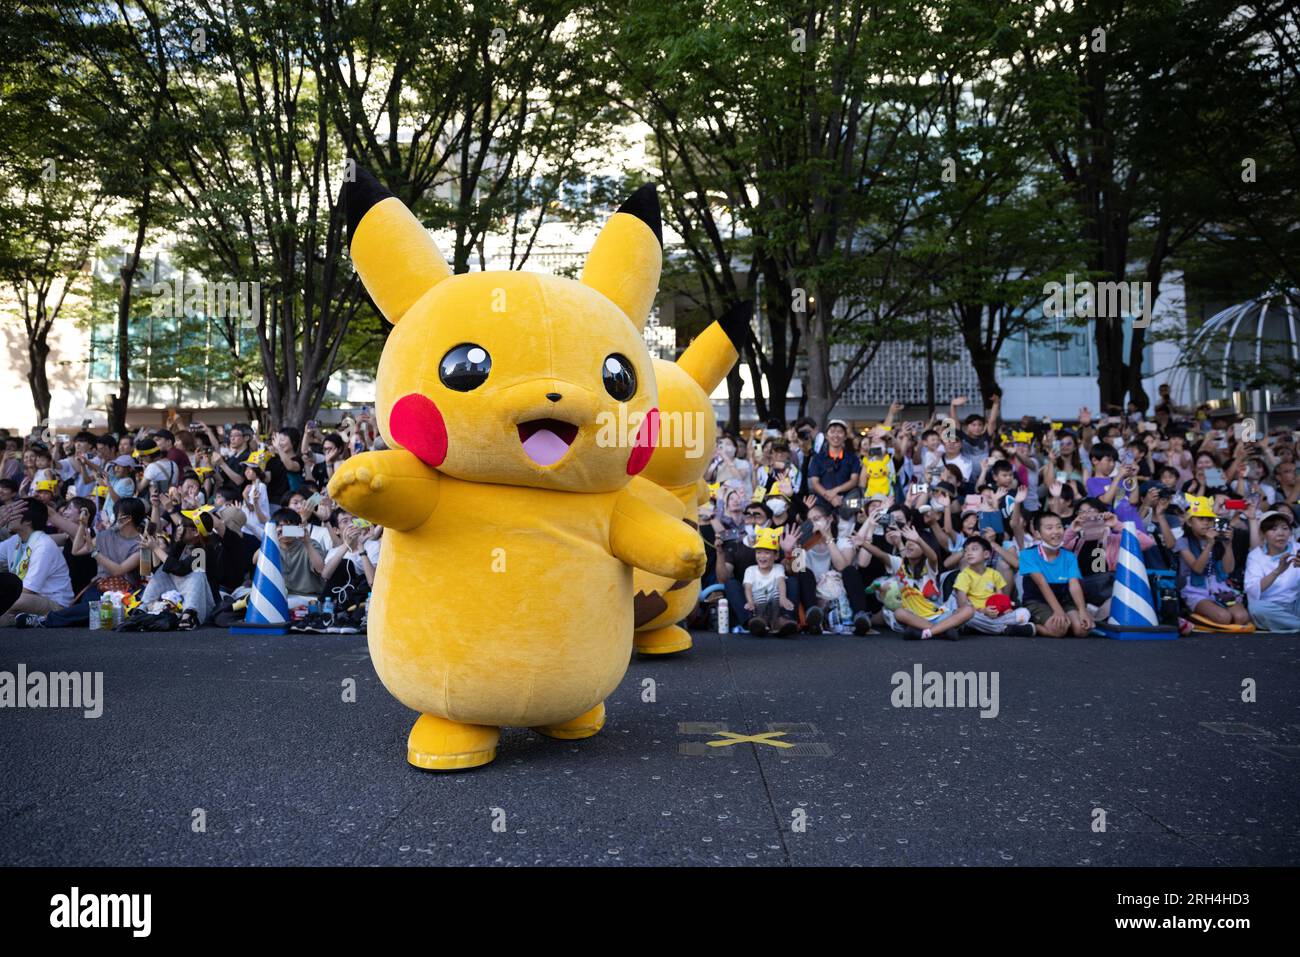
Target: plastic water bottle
{"type": "Point", "coordinates": [327, 610]}
{"type": "Point", "coordinates": [723, 617]}
{"type": "Point", "coordinates": [833, 619]}
{"type": "Point", "coordinates": [846, 614]}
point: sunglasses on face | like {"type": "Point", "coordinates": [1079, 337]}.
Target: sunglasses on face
{"type": "Point", "coordinates": [755, 515]}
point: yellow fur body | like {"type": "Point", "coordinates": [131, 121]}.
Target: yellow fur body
{"type": "Point", "coordinates": [503, 594]}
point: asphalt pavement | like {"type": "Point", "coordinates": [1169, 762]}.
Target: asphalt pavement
{"type": "Point", "coordinates": [213, 749]}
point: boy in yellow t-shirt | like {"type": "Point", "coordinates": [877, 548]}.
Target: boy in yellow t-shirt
{"type": "Point", "coordinates": [985, 590]}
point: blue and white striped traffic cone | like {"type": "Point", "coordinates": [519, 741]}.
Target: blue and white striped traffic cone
{"type": "Point", "coordinates": [268, 602]}
{"type": "Point", "coordinates": [1132, 609]}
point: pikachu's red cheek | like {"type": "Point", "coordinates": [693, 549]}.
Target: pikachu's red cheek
{"type": "Point", "coordinates": [416, 425]}
{"type": "Point", "coordinates": [643, 446]}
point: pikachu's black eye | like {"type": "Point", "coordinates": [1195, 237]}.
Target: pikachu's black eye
{"type": "Point", "coordinates": [620, 377]}
{"type": "Point", "coordinates": [465, 367]}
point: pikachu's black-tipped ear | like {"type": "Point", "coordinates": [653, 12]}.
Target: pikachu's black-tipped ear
{"type": "Point", "coordinates": [714, 351]}
{"type": "Point", "coordinates": [735, 323]}
{"type": "Point", "coordinates": [395, 256]}
{"type": "Point", "coordinates": [625, 261]}
{"type": "Point", "coordinates": [644, 205]}
{"type": "Point", "coordinates": [360, 195]}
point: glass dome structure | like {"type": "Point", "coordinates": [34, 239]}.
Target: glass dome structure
{"type": "Point", "coordinates": [1248, 350]}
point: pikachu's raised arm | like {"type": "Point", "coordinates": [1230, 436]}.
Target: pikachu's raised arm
{"type": "Point", "coordinates": [390, 487]}
{"type": "Point", "coordinates": [649, 538]}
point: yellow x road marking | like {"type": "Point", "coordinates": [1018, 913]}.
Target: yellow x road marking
{"type": "Point", "coordinates": [764, 738]}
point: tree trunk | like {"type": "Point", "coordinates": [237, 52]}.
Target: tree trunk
{"type": "Point", "coordinates": [38, 350]}
{"type": "Point", "coordinates": [817, 388]}
{"type": "Point", "coordinates": [986, 370]}
{"type": "Point", "coordinates": [735, 385]}
{"type": "Point", "coordinates": [1110, 366]}
{"type": "Point", "coordinates": [929, 367]}
{"type": "Point", "coordinates": [130, 266]}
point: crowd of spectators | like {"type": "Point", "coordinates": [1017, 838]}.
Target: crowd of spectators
{"type": "Point", "coordinates": [965, 523]}
{"type": "Point", "coordinates": [958, 524]}
{"type": "Point", "coordinates": [176, 515]}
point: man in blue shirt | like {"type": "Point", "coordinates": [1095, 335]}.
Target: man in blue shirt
{"type": "Point", "coordinates": [835, 469]}
{"type": "Point", "coordinates": [1051, 580]}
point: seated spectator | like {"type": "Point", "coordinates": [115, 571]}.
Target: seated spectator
{"type": "Point", "coordinates": [160, 473]}
{"type": "Point", "coordinates": [766, 601]}
{"type": "Point", "coordinates": [828, 572]}
{"type": "Point", "coordinates": [1094, 536]}
{"type": "Point", "coordinates": [122, 485]}
{"type": "Point", "coordinates": [188, 562]}
{"type": "Point", "coordinates": [1114, 484]}
{"type": "Point", "coordinates": [1052, 587]}
{"type": "Point", "coordinates": [734, 554]}
{"type": "Point", "coordinates": [924, 613]}
{"type": "Point", "coordinates": [835, 470]}
{"type": "Point", "coordinates": [1273, 575]}
{"type": "Point", "coordinates": [985, 590]}
{"type": "Point", "coordinates": [349, 571]}
{"type": "Point", "coordinates": [302, 560]}
{"type": "Point", "coordinates": [335, 451]}
{"type": "Point", "coordinates": [32, 556]}
{"type": "Point", "coordinates": [1205, 562]}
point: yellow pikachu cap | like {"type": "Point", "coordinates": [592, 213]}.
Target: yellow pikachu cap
{"type": "Point", "coordinates": [202, 471]}
{"type": "Point", "coordinates": [1023, 437]}
{"type": "Point", "coordinates": [1200, 506]}
{"type": "Point", "coordinates": [47, 485]}
{"type": "Point", "coordinates": [769, 538]}
{"type": "Point", "coordinates": [258, 459]}
{"type": "Point", "coordinates": [713, 489]}
{"type": "Point", "coordinates": [195, 515]}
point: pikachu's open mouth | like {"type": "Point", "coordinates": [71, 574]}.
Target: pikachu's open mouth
{"type": "Point", "coordinates": [546, 441]}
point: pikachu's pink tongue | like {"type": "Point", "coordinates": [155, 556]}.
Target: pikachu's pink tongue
{"type": "Point", "coordinates": [545, 447]}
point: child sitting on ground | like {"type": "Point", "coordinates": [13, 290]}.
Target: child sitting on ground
{"type": "Point", "coordinates": [1049, 578]}
{"type": "Point", "coordinates": [923, 613]}
{"type": "Point", "coordinates": [985, 590]}
{"type": "Point", "coordinates": [1204, 564]}
{"type": "Point", "coordinates": [765, 595]}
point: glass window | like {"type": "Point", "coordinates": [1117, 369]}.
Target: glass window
{"type": "Point", "coordinates": [1076, 351]}
{"type": "Point", "coordinates": [103, 351]}
{"type": "Point", "coordinates": [1043, 351]}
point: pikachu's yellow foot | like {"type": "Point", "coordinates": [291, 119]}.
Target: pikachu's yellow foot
{"type": "Point", "coordinates": [439, 744]}
{"type": "Point", "coordinates": [662, 641]}
{"type": "Point", "coordinates": [583, 726]}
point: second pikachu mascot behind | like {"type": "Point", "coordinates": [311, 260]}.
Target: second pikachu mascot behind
{"type": "Point", "coordinates": [503, 595]}
{"type": "Point", "coordinates": [687, 432]}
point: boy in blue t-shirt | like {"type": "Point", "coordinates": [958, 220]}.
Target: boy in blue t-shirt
{"type": "Point", "coordinates": [1051, 581]}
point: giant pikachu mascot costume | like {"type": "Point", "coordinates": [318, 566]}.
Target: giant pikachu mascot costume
{"type": "Point", "coordinates": [678, 468]}
{"type": "Point", "coordinates": [504, 590]}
